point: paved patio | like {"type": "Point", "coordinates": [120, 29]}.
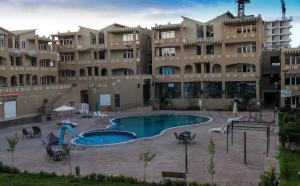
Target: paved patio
{"type": "Point", "coordinates": [124, 158]}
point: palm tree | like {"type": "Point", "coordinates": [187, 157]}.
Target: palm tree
{"type": "Point", "coordinates": [146, 157]}
{"type": "Point", "coordinates": [12, 143]}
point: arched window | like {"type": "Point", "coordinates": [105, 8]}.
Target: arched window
{"type": "Point", "coordinates": [103, 72]}
{"type": "Point", "coordinates": [188, 69]}
{"type": "Point", "coordinates": [217, 68]}
{"type": "Point", "coordinates": [34, 80]}
{"type": "Point", "coordinates": [82, 72]}
{"type": "Point", "coordinates": [14, 81]}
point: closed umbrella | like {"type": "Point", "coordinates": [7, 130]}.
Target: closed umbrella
{"type": "Point", "coordinates": [235, 110]}
{"type": "Point", "coordinates": [97, 107]}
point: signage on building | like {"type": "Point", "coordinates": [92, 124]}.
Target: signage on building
{"type": "Point", "coordinates": [8, 96]}
{"type": "Point", "coordinates": [286, 93]}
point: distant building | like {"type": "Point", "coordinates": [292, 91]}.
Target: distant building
{"type": "Point", "coordinates": [277, 34]}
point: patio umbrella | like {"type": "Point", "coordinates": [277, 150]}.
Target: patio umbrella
{"type": "Point", "coordinates": [50, 139]}
{"type": "Point", "coordinates": [64, 109]}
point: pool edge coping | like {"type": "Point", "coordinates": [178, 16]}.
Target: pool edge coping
{"type": "Point", "coordinates": [138, 139]}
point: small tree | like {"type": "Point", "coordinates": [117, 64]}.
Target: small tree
{"type": "Point", "coordinates": [211, 166]}
{"type": "Point", "coordinates": [146, 157]}
{"type": "Point", "coordinates": [12, 143]}
{"type": "Point", "coordinates": [268, 178]}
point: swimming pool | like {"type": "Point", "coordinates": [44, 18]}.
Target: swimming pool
{"type": "Point", "coordinates": [142, 126]}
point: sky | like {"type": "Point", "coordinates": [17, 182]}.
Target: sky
{"type": "Point", "coordinates": [51, 16]}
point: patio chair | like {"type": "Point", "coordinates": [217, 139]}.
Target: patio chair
{"type": "Point", "coordinates": [26, 133]}
{"type": "Point", "coordinates": [36, 131]}
{"type": "Point", "coordinates": [192, 139]}
{"type": "Point", "coordinates": [176, 135]}
{"type": "Point", "coordinates": [50, 153]}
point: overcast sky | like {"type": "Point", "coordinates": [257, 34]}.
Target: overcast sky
{"type": "Point", "coordinates": [50, 16]}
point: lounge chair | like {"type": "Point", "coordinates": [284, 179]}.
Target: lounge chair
{"type": "Point", "coordinates": [100, 114]}
{"type": "Point", "coordinates": [221, 130]}
{"type": "Point", "coordinates": [36, 131]}
{"type": "Point", "coordinates": [26, 133]}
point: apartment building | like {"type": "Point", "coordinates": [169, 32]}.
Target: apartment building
{"type": "Point", "coordinates": [290, 78]}
{"type": "Point", "coordinates": [107, 61]}
{"type": "Point", "coordinates": [214, 61]}
{"type": "Point", "coordinates": [28, 73]}
{"type": "Point", "coordinates": [277, 34]}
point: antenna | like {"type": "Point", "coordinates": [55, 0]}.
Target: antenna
{"type": "Point", "coordinates": [241, 7]}
{"type": "Point", "coordinates": [283, 8]}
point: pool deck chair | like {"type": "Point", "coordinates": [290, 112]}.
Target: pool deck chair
{"type": "Point", "coordinates": [221, 130]}
{"type": "Point", "coordinates": [100, 114]}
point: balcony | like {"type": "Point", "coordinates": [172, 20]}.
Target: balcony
{"type": "Point", "coordinates": [123, 45]}
{"type": "Point", "coordinates": [130, 60]}
{"type": "Point", "coordinates": [203, 58]}
{"type": "Point", "coordinates": [232, 38]}
{"type": "Point", "coordinates": [240, 55]}
{"type": "Point", "coordinates": [167, 58]}
{"type": "Point", "coordinates": [166, 42]}
{"type": "Point", "coordinates": [19, 52]}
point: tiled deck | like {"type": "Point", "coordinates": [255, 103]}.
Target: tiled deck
{"type": "Point", "coordinates": [124, 158]}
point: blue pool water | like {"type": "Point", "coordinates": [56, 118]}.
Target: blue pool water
{"type": "Point", "coordinates": [142, 126]}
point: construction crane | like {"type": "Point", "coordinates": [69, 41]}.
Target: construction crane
{"type": "Point", "coordinates": [241, 7]}
{"type": "Point", "coordinates": [283, 8]}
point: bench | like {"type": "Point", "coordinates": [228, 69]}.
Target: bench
{"type": "Point", "coordinates": [165, 174]}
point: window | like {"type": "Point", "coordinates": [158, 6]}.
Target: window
{"type": "Point", "coordinates": [23, 43]}
{"type": "Point", "coordinates": [240, 89]}
{"type": "Point", "coordinates": [167, 90]}
{"type": "Point", "coordinates": [101, 54]}
{"type": "Point", "coordinates": [166, 70]}
{"type": "Point", "coordinates": [68, 56]}
{"type": "Point", "coordinates": [199, 31]}
{"type": "Point", "coordinates": [42, 46]}
{"type": "Point", "coordinates": [96, 71]}
{"type": "Point", "coordinates": [246, 29]}
{"type": "Point", "coordinates": [212, 90]}
{"type": "Point", "coordinates": [192, 90]}
{"type": "Point", "coordinates": [128, 54]}
{"type": "Point", "coordinates": [90, 71]}
{"type": "Point", "coordinates": [206, 67]}
{"type": "Point", "coordinates": [167, 34]}
{"type": "Point", "coordinates": [66, 41]}
{"type": "Point", "coordinates": [18, 61]}
{"type": "Point", "coordinates": [127, 37]}
{"type": "Point", "coordinates": [101, 38]}
{"type": "Point", "coordinates": [198, 50]}
{"type": "Point", "coordinates": [210, 49]}
{"type": "Point", "coordinates": [167, 52]}
{"type": "Point", "coordinates": [287, 60]}
{"type": "Point", "coordinates": [209, 30]}
{"type": "Point", "coordinates": [1, 41]}
{"type": "Point", "coordinates": [249, 48]}
{"type": "Point", "coordinates": [33, 62]}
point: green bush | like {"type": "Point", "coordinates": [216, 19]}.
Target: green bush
{"type": "Point", "coordinates": [268, 177]}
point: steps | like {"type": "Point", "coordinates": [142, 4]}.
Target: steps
{"type": "Point", "coordinates": [19, 120]}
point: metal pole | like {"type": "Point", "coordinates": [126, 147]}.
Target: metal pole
{"type": "Point", "coordinates": [268, 139]}
{"type": "Point", "coordinates": [227, 132]}
{"type": "Point", "coordinates": [245, 148]}
{"type": "Point", "coordinates": [186, 158]}
{"type": "Point", "coordinates": [231, 133]}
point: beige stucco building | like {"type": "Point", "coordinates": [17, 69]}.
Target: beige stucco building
{"type": "Point", "coordinates": [176, 66]}
{"type": "Point", "coordinates": [214, 61]}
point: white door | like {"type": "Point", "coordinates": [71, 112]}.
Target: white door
{"type": "Point", "coordinates": [10, 109]}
